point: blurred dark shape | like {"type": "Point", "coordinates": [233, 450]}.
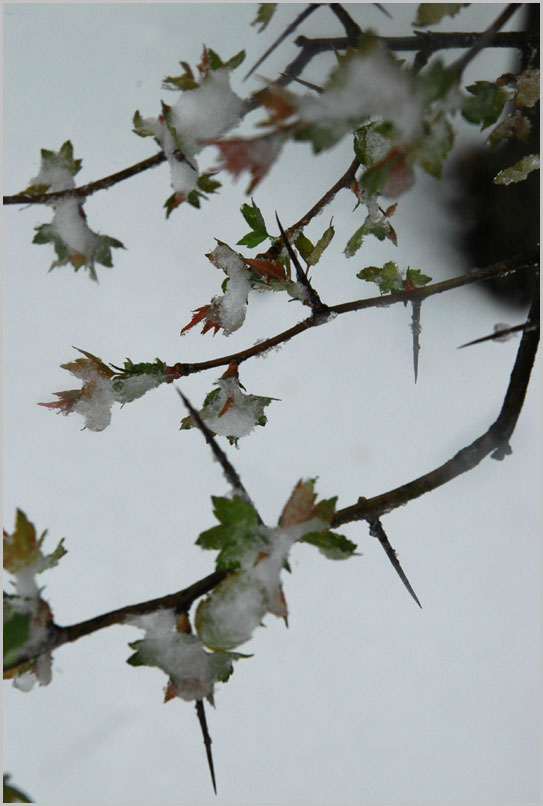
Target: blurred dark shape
{"type": "Point", "coordinates": [500, 221]}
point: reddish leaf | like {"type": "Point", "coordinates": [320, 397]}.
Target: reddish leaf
{"type": "Point", "coordinates": [256, 155]}
{"type": "Point", "coordinates": [207, 314]}
{"type": "Point", "coordinates": [278, 101]}
{"type": "Point", "coordinates": [267, 268]}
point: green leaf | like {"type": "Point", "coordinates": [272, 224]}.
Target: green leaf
{"type": "Point", "coordinates": [237, 538]}
{"type": "Point", "coordinates": [516, 125]}
{"type": "Point", "coordinates": [321, 137]}
{"type": "Point", "coordinates": [13, 794]}
{"type": "Point", "coordinates": [316, 253]}
{"type": "Point", "coordinates": [235, 61]}
{"type": "Point", "coordinates": [416, 277]}
{"type": "Point", "coordinates": [373, 141]}
{"type": "Point", "coordinates": [519, 171]}
{"type": "Point", "coordinates": [304, 246]}
{"type": "Point", "coordinates": [486, 104]}
{"type": "Point", "coordinates": [388, 278]}
{"type": "Point", "coordinates": [264, 15]}
{"type": "Point", "coordinates": [16, 632]}
{"type": "Point", "coordinates": [207, 184]}
{"type": "Point", "coordinates": [434, 82]}
{"type": "Point", "coordinates": [332, 545]}
{"type": "Point", "coordinates": [381, 229]}
{"type": "Point", "coordinates": [141, 128]}
{"type": "Point", "coordinates": [431, 13]}
{"type": "Point", "coordinates": [252, 239]}
{"type": "Point", "coordinates": [254, 218]}
{"type": "Point", "coordinates": [434, 147]}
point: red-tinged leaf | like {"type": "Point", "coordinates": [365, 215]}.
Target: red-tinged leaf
{"type": "Point", "coordinates": [391, 235]}
{"type": "Point", "coordinates": [267, 268]}
{"type": "Point", "coordinates": [207, 314]}
{"type": "Point", "coordinates": [66, 402]}
{"type": "Point", "coordinates": [228, 404]}
{"type": "Point", "coordinates": [256, 155]}
{"type": "Point", "coordinates": [390, 210]}
{"type": "Point", "coordinates": [173, 201]}
{"type": "Point", "coordinates": [170, 692]}
{"type": "Point", "coordinates": [300, 506]}
{"type": "Point", "coordinates": [278, 101]}
{"type": "Point", "coordinates": [204, 65]}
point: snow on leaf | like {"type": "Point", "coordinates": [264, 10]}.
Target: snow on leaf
{"type": "Point", "coordinates": [264, 15]}
{"type": "Point", "coordinates": [516, 125]}
{"type": "Point", "coordinates": [519, 171]}
{"type": "Point", "coordinates": [181, 655]}
{"type": "Point", "coordinates": [485, 104]}
{"type": "Point", "coordinates": [237, 538]}
{"type": "Point", "coordinates": [431, 13]}
{"type": "Point", "coordinates": [388, 278]}
{"type": "Point", "coordinates": [528, 88]}
{"type": "Point", "coordinates": [373, 141]}
{"type": "Point", "coordinates": [57, 169]}
{"type": "Point", "coordinates": [380, 227]}
{"type": "Point", "coordinates": [228, 411]}
{"type": "Point", "coordinates": [230, 614]}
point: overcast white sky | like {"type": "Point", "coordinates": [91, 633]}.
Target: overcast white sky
{"type": "Point", "coordinates": [365, 698]}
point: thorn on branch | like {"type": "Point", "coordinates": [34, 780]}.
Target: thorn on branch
{"type": "Point", "coordinates": [288, 30]}
{"type": "Point", "coordinates": [317, 306]}
{"type": "Point", "coordinates": [352, 28]}
{"type": "Point", "coordinates": [229, 470]}
{"type": "Point", "coordinates": [503, 333]}
{"type": "Point", "coordinates": [416, 331]}
{"type": "Point", "coordinates": [200, 711]}
{"type": "Point", "coordinates": [376, 530]}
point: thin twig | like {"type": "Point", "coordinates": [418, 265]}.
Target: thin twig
{"type": "Point", "coordinates": [352, 28]}
{"type": "Point", "coordinates": [501, 334]}
{"type": "Point", "coordinates": [460, 64]}
{"type": "Point", "coordinates": [376, 530]}
{"type": "Point", "coordinates": [200, 710]}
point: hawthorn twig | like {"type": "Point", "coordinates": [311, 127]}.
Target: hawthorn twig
{"type": "Point", "coordinates": [416, 331]}
{"type": "Point", "coordinates": [524, 262]}
{"type": "Point", "coordinates": [352, 28]}
{"type": "Point", "coordinates": [494, 441]}
{"type": "Point", "coordinates": [200, 710]}
{"type": "Point", "coordinates": [460, 64]}
{"type": "Point", "coordinates": [179, 601]}
{"type": "Point", "coordinates": [376, 530]}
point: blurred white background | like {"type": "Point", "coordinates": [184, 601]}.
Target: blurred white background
{"type": "Point", "coordinates": [365, 698]}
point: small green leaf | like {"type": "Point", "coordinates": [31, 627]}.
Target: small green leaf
{"type": "Point", "coordinates": [380, 228]}
{"type": "Point", "coordinates": [141, 128]}
{"type": "Point", "coordinates": [434, 82]}
{"type": "Point", "coordinates": [316, 253]}
{"type": "Point", "coordinates": [416, 277]}
{"type": "Point", "coordinates": [252, 239]}
{"type": "Point", "coordinates": [432, 13]}
{"type": "Point", "coordinates": [207, 184]}
{"type": "Point", "coordinates": [486, 104]}
{"type": "Point", "coordinates": [254, 218]}
{"type": "Point", "coordinates": [304, 246]}
{"type": "Point", "coordinates": [332, 545]}
{"type": "Point", "coordinates": [16, 632]}
{"type": "Point", "coordinates": [235, 61]}
{"type": "Point", "coordinates": [237, 538]}
{"type": "Point", "coordinates": [389, 278]}
{"type": "Point", "coordinates": [434, 147]}
{"type": "Point", "coordinates": [265, 13]}
{"type": "Point", "coordinates": [519, 171]}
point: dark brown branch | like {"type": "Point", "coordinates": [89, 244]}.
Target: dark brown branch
{"type": "Point", "coordinates": [518, 263]}
{"type": "Point", "coordinates": [92, 187]}
{"type": "Point", "coordinates": [180, 601]}
{"type": "Point", "coordinates": [376, 530]}
{"type": "Point", "coordinates": [502, 334]}
{"type": "Point", "coordinates": [352, 28]}
{"type": "Point", "coordinates": [460, 65]}
{"type": "Point", "coordinates": [494, 441]}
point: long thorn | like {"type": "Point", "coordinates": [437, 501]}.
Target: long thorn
{"type": "Point", "coordinates": [500, 334]}
{"type": "Point", "coordinates": [317, 306]}
{"type": "Point", "coordinates": [207, 740]}
{"type": "Point", "coordinates": [416, 330]}
{"type": "Point", "coordinates": [288, 30]}
{"type": "Point", "coordinates": [376, 530]}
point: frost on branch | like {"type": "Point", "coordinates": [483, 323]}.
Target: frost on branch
{"type": "Point", "coordinates": [205, 111]}
{"type": "Point", "coordinates": [72, 238]}
{"type": "Point", "coordinates": [228, 411]}
{"type": "Point", "coordinates": [26, 615]}
{"type": "Point", "coordinates": [103, 386]}
{"type": "Point", "coordinates": [168, 645]}
{"type": "Point", "coordinates": [258, 554]}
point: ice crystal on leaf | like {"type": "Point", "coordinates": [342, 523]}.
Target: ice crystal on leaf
{"type": "Point", "coordinates": [74, 242]}
{"type": "Point", "coordinates": [203, 113]}
{"type": "Point", "coordinates": [103, 386]}
{"type": "Point", "coordinates": [193, 672]}
{"type": "Point", "coordinates": [228, 411]}
{"type": "Point", "coordinates": [230, 614]}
